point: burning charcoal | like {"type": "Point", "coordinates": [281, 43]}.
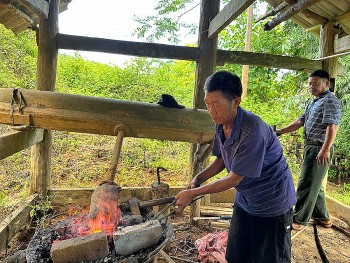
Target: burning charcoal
{"type": "Point", "coordinates": [86, 248]}
{"type": "Point", "coordinates": [134, 238]}
{"type": "Point", "coordinates": [39, 246]}
{"type": "Point", "coordinates": [130, 220]}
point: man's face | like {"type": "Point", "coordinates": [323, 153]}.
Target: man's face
{"type": "Point", "coordinates": [220, 109]}
{"type": "Point", "coordinates": [317, 86]}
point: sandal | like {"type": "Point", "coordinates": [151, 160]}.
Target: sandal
{"type": "Point", "coordinates": [325, 223]}
{"type": "Point", "coordinates": [297, 227]}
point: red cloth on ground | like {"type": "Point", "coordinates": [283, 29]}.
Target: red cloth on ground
{"type": "Point", "coordinates": [212, 247]}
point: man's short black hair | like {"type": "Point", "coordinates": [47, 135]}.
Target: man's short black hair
{"type": "Point", "coordinates": [321, 74]}
{"type": "Point", "coordinates": [226, 82]}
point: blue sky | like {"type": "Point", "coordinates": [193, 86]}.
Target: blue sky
{"type": "Point", "coordinates": [111, 19]}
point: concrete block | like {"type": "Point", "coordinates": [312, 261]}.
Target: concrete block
{"type": "Point", "coordinates": [131, 239]}
{"type": "Point", "coordinates": [87, 248]}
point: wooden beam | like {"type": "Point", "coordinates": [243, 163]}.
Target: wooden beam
{"type": "Point", "coordinates": [40, 172]}
{"type": "Point", "coordinates": [267, 60]}
{"type": "Point", "coordinates": [130, 48]}
{"type": "Point", "coordinates": [342, 44]}
{"type": "Point", "coordinates": [181, 52]}
{"type": "Point", "coordinates": [205, 66]}
{"type": "Point", "coordinates": [341, 17]}
{"type": "Point", "coordinates": [232, 10]}
{"type": "Point", "coordinates": [59, 111]}
{"type": "Point", "coordinates": [299, 6]}
{"type": "Point", "coordinates": [16, 221]}
{"type": "Point", "coordinates": [22, 14]}
{"type": "Point", "coordinates": [40, 7]}
{"type": "Point", "coordinates": [312, 15]}
{"type": "Point", "coordinates": [65, 197]}
{"type": "Point", "coordinates": [16, 141]}
{"type": "Point", "coordinates": [326, 47]}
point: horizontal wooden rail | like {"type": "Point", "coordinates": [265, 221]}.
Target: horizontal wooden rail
{"type": "Point", "coordinates": [66, 112]}
{"type": "Point", "coordinates": [182, 52]}
{"type": "Point", "coordinates": [16, 141]}
{"type": "Point", "coordinates": [64, 197]}
{"type": "Point", "coordinates": [16, 221]}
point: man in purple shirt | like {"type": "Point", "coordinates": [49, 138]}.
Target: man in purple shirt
{"type": "Point", "coordinates": [252, 155]}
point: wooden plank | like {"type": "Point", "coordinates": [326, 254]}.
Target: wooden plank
{"type": "Point", "coordinates": [267, 60]}
{"type": "Point", "coordinates": [65, 197]}
{"type": "Point", "coordinates": [223, 224]}
{"type": "Point", "coordinates": [16, 141]}
{"type": "Point", "coordinates": [182, 53]}
{"type": "Point", "coordinates": [231, 10]}
{"type": "Point", "coordinates": [341, 17]}
{"type": "Point", "coordinates": [342, 44]}
{"type": "Point", "coordinates": [40, 7]}
{"type": "Point", "coordinates": [227, 196]}
{"type": "Point", "coordinates": [215, 211]}
{"type": "Point", "coordinates": [139, 49]}
{"type": "Point", "coordinates": [66, 112]}
{"type": "Point", "coordinates": [16, 221]}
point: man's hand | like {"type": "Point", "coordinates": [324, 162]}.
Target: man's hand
{"type": "Point", "coordinates": [278, 132]}
{"type": "Point", "coordinates": [323, 157]}
{"type": "Point", "coordinates": [193, 184]}
{"type": "Point", "coordinates": [184, 198]}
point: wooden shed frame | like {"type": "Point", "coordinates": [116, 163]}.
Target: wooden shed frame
{"type": "Point", "coordinates": [73, 113]}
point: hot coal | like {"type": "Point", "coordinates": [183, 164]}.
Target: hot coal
{"type": "Point", "coordinates": [40, 245]}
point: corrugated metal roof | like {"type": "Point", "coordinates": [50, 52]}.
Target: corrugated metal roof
{"type": "Point", "coordinates": [333, 10]}
{"type": "Point", "coordinates": [18, 15]}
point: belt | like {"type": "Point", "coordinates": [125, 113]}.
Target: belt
{"type": "Point", "coordinates": [313, 143]}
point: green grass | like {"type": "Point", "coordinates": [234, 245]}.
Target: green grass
{"type": "Point", "coordinates": [82, 160]}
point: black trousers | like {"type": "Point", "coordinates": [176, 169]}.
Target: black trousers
{"type": "Point", "coordinates": [253, 239]}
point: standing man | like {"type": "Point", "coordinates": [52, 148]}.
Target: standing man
{"type": "Point", "coordinates": [320, 121]}
{"type": "Point", "coordinates": [249, 150]}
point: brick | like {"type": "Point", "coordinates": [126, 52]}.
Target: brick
{"type": "Point", "coordinates": [87, 248]}
{"type": "Point", "coordinates": [131, 239]}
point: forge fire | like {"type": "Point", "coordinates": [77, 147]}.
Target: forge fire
{"type": "Point", "coordinates": [110, 232]}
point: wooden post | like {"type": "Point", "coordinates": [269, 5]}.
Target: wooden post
{"type": "Point", "coordinates": [40, 176]}
{"type": "Point", "coordinates": [248, 37]}
{"type": "Point", "coordinates": [206, 65]}
{"type": "Point", "coordinates": [327, 35]}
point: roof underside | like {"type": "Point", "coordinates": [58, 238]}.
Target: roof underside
{"type": "Point", "coordinates": [332, 10]}
{"type": "Point", "coordinates": [19, 15]}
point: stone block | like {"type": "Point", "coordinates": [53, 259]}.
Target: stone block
{"type": "Point", "coordinates": [131, 239]}
{"type": "Point", "coordinates": [86, 248]}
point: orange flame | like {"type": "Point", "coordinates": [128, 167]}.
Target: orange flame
{"type": "Point", "coordinates": [107, 219]}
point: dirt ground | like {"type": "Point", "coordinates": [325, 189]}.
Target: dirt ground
{"type": "Point", "coordinates": [182, 249]}
{"type": "Point", "coordinates": [336, 244]}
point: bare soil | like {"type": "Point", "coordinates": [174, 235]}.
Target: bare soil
{"type": "Point", "coordinates": [336, 245]}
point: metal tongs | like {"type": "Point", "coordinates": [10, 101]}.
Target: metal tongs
{"type": "Point", "coordinates": [172, 212]}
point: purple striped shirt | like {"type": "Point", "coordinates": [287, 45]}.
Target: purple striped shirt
{"type": "Point", "coordinates": [253, 151]}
